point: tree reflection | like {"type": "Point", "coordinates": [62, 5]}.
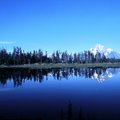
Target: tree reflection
{"type": "Point", "coordinates": [19, 76]}
{"type": "Point", "coordinates": [70, 111]}
{"type": "Point", "coordinates": [81, 115]}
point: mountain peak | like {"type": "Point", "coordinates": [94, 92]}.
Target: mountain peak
{"type": "Point", "coordinates": [99, 47]}
{"type": "Point", "coordinates": [108, 52]}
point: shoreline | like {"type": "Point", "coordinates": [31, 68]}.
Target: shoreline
{"type": "Point", "coordinates": [62, 65]}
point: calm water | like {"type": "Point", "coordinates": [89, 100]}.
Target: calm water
{"type": "Point", "coordinates": [60, 94]}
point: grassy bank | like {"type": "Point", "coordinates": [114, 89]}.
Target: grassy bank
{"type": "Point", "coordinates": [60, 65]}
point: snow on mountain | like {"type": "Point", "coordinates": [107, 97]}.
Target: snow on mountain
{"type": "Point", "coordinates": [108, 52]}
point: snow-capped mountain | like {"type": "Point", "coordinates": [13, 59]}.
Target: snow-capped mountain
{"type": "Point", "coordinates": [108, 52]}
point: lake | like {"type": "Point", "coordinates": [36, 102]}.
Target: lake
{"type": "Point", "coordinates": [60, 94]}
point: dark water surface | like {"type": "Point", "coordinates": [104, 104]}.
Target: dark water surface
{"type": "Point", "coordinates": [60, 94]}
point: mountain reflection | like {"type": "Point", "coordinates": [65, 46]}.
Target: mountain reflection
{"type": "Point", "coordinates": [18, 76]}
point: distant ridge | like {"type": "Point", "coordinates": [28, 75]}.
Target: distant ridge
{"type": "Point", "coordinates": [108, 52]}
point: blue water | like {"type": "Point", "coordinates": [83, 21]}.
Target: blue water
{"type": "Point", "coordinates": [97, 97]}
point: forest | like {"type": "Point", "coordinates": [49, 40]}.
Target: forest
{"type": "Point", "coordinates": [20, 57]}
{"type": "Point", "coordinates": [19, 75]}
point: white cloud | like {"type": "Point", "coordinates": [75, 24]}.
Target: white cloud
{"type": "Point", "coordinates": [6, 42]}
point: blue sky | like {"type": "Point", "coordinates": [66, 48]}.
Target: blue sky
{"type": "Point", "coordinates": [72, 25]}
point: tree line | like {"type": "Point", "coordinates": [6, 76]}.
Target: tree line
{"type": "Point", "coordinates": [18, 76]}
{"type": "Point", "coordinates": [19, 56]}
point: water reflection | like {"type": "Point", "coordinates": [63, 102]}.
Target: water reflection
{"type": "Point", "coordinates": [18, 76]}
{"type": "Point", "coordinates": [68, 100]}
{"type": "Point", "coordinates": [63, 115]}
